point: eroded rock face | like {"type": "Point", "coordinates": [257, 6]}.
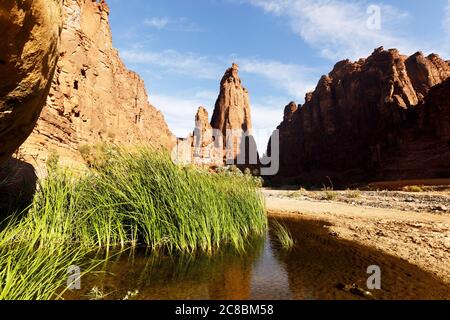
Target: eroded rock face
{"type": "Point", "coordinates": [30, 31]}
{"type": "Point", "coordinates": [227, 138]}
{"type": "Point", "coordinates": [232, 113]}
{"type": "Point", "coordinates": [370, 120]}
{"type": "Point", "coordinates": [94, 97]}
{"type": "Point", "coordinates": [232, 109]}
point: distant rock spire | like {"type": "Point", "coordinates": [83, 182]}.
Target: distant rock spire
{"type": "Point", "coordinates": [232, 109]}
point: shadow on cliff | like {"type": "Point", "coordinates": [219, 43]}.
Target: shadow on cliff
{"type": "Point", "coordinates": [18, 182]}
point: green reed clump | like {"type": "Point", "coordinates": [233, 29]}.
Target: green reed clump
{"type": "Point", "coordinates": [142, 198]}
{"type": "Point", "coordinates": [135, 198]}
{"type": "Point", "coordinates": [283, 236]}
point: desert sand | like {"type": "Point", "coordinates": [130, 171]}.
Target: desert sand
{"type": "Point", "coordinates": [421, 238]}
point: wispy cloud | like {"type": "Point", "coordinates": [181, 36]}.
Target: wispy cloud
{"type": "Point", "coordinates": [296, 80]}
{"type": "Point", "coordinates": [173, 24]}
{"type": "Point", "coordinates": [292, 82]}
{"type": "Point", "coordinates": [158, 23]}
{"type": "Point", "coordinates": [179, 112]}
{"type": "Point", "coordinates": [174, 62]}
{"type": "Point", "coordinates": [338, 29]}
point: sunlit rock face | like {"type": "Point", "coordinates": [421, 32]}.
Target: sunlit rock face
{"type": "Point", "coordinates": [29, 31]}
{"type": "Point", "coordinates": [383, 117]}
{"type": "Point", "coordinates": [94, 97]}
{"type": "Point", "coordinates": [232, 112]}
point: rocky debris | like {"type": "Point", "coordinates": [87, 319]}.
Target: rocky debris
{"type": "Point", "coordinates": [384, 117]}
{"type": "Point", "coordinates": [30, 31]}
{"type": "Point", "coordinates": [355, 290]}
{"type": "Point", "coordinates": [430, 201]}
{"type": "Point", "coordinates": [420, 238]}
{"type": "Point", "coordinates": [93, 98]}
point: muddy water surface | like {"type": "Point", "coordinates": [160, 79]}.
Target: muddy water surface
{"type": "Point", "coordinates": [317, 268]}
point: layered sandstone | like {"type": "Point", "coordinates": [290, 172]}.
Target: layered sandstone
{"type": "Point", "coordinates": [384, 117]}
{"type": "Point", "coordinates": [232, 113]}
{"type": "Point", "coordinates": [93, 97]}
{"type": "Point", "coordinates": [30, 31]}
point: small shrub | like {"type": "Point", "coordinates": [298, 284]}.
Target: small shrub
{"type": "Point", "coordinates": [353, 194]}
{"type": "Point", "coordinates": [330, 195]}
{"type": "Point", "coordinates": [413, 189]}
{"type": "Point", "coordinates": [52, 160]}
{"type": "Point", "coordinates": [96, 156]}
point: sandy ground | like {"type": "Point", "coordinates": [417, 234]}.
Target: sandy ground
{"type": "Point", "coordinates": [413, 227]}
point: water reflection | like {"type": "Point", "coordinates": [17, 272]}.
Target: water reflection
{"type": "Point", "coordinates": [312, 270]}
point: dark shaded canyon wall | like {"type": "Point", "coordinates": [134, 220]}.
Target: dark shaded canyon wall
{"type": "Point", "coordinates": [29, 31]}
{"type": "Point", "coordinates": [384, 117]}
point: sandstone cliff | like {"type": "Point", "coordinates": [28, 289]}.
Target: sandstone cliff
{"type": "Point", "coordinates": [371, 119]}
{"type": "Point", "coordinates": [93, 97]}
{"type": "Point", "coordinates": [30, 31]}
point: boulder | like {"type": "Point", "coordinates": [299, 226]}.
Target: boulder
{"type": "Point", "coordinates": [30, 32]}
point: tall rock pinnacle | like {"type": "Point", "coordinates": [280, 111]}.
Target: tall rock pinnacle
{"type": "Point", "coordinates": [228, 137]}
{"type": "Point", "coordinates": [232, 114]}
{"type": "Point", "coordinates": [232, 109]}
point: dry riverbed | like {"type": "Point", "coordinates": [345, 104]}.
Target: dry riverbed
{"type": "Point", "coordinates": [411, 226]}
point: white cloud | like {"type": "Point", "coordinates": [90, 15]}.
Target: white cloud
{"type": "Point", "coordinates": [174, 62]}
{"type": "Point", "coordinates": [267, 114]}
{"type": "Point", "coordinates": [158, 23]}
{"type": "Point", "coordinates": [339, 29]}
{"type": "Point", "coordinates": [179, 112]}
{"type": "Point", "coordinates": [172, 24]}
{"type": "Point", "coordinates": [296, 80]}
{"type": "Point", "coordinates": [206, 95]}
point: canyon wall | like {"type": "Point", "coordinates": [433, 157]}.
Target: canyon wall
{"type": "Point", "coordinates": [30, 31]}
{"type": "Point", "coordinates": [380, 118]}
{"type": "Point", "coordinates": [93, 97]}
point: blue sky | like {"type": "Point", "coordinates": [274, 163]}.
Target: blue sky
{"type": "Point", "coordinates": [182, 47]}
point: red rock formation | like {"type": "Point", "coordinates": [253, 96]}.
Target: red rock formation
{"type": "Point", "coordinates": [232, 113]}
{"type": "Point", "coordinates": [93, 97]}
{"type": "Point", "coordinates": [227, 138]}
{"type": "Point", "coordinates": [206, 150]}
{"type": "Point", "coordinates": [363, 116]}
